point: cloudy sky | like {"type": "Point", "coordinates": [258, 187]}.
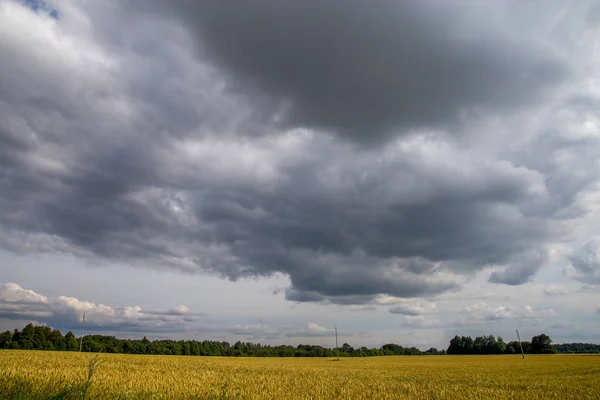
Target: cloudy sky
{"type": "Point", "coordinates": [268, 170]}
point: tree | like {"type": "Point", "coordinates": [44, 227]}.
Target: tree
{"type": "Point", "coordinates": [500, 347]}
{"type": "Point", "coordinates": [45, 338]}
{"type": "Point", "coordinates": [347, 350]}
{"type": "Point", "coordinates": [488, 344]}
{"type": "Point", "coordinates": [14, 343]}
{"type": "Point", "coordinates": [57, 340]}
{"type": "Point", "coordinates": [392, 349]}
{"type": "Point", "coordinates": [461, 345]}
{"type": "Point", "coordinates": [5, 340]}
{"type": "Point", "coordinates": [71, 343]}
{"type": "Point", "coordinates": [480, 345]}
{"type": "Point", "coordinates": [42, 338]}
{"type": "Point", "coordinates": [433, 351]}
{"type": "Point", "coordinates": [542, 344]}
{"type": "Point", "coordinates": [577, 348]}
{"type": "Point", "coordinates": [27, 337]}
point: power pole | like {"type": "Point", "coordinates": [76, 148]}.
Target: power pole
{"type": "Point", "coordinates": [520, 345]}
{"type": "Point", "coordinates": [81, 338]}
{"type": "Point", "coordinates": [337, 353]}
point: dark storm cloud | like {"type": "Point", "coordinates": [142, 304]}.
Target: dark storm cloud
{"type": "Point", "coordinates": [331, 241]}
{"type": "Point", "coordinates": [358, 245]}
{"type": "Point", "coordinates": [367, 70]}
{"type": "Point", "coordinates": [127, 151]}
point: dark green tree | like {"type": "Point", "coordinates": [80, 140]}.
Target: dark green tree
{"type": "Point", "coordinates": [461, 345]}
{"type": "Point", "coordinates": [577, 348]}
{"type": "Point", "coordinates": [542, 344]}
{"type": "Point", "coordinates": [500, 347]}
{"type": "Point", "coordinates": [57, 340]}
{"type": "Point", "coordinates": [27, 337]}
{"type": "Point", "coordinates": [6, 340]}
{"type": "Point", "coordinates": [71, 343]}
{"type": "Point", "coordinates": [45, 338]}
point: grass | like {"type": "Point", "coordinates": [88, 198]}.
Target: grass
{"type": "Point", "coordinates": [60, 375]}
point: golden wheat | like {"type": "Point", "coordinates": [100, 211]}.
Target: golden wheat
{"type": "Point", "coordinates": [35, 374]}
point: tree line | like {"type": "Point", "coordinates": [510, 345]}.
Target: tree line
{"type": "Point", "coordinates": [488, 344]}
{"type": "Point", "coordinates": [45, 338]}
{"type": "Point", "coordinates": [577, 348]}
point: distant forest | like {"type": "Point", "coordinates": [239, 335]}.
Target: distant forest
{"type": "Point", "coordinates": [45, 338]}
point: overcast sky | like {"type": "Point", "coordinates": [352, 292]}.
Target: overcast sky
{"type": "Point", "coordinates": [268, 170]}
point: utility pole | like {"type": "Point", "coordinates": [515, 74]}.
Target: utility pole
{"type": "Point", "coordinates": [337, 353]}
{"type": "Point", "coordinates": [81, 338]}
{"type": "Point", "coordinates": [520, 345]}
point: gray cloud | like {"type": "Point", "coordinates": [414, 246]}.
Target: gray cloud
{"type": "Point", "coordinates": [585, 263]}
{"type": "Point", "coordinates": [521, 270]}
{"type": "Point", "coordinates": [589, 289]}
{"type": "Point", "coordinates": [593, 14]}
{"type": "Point", "coordinates": [118, 143]}
{"type": "Point", "coordinates": [364, 71]}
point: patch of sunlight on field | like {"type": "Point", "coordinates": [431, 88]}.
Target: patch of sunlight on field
{"type": "Point", "coordinates": [37, 374]}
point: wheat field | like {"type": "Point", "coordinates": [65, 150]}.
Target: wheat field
{"type": "Point", "coordinates": [63, 375]}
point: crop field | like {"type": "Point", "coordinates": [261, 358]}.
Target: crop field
{"type": "Point", "coordinates": [64, 375]}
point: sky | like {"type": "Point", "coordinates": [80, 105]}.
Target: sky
{"type": "Point", "coordinates": [268, 170]}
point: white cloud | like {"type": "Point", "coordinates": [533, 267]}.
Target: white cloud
{"type": "Point", "coordinates": [359, 307]}
{"type": "Point", "coordinates": [13, 293]}
{"type": "Point", "coordinates": [483, 311]}
{"type": "Point", "coordinates": [555, 290]}
{"type": "Point", "coordinates": [19, 303]}
{"type": "Point", "coordinates": [421, 321]}
{"type": "Point", "coordinates": [181, 310]}
{"type": "Point", "coordinates": [413, 307]}
{"type": "Point", "coordinates": [263, 331]}
{"type": "Point", "coordinates": [254, 330]}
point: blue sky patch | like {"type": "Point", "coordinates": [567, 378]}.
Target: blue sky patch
{"type": "Point", "coordinates": [40, 6]}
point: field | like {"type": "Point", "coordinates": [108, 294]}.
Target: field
{"type": "Point", "coordinates": [36, 374]}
